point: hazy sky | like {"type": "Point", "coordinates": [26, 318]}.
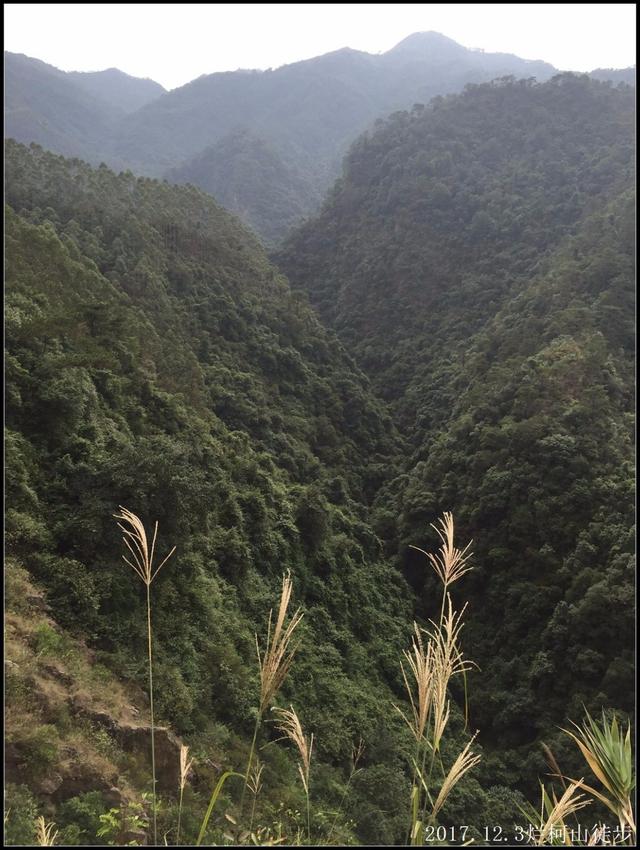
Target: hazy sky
{"type": "Point", "coordinates": [174, 44]}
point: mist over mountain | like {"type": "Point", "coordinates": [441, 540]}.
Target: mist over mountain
{"type": "Point", "coordinates": [621, 75]}
{"type": "Point", "coordinates": [305, 115]}
{"type": "Point", "coordinates": [117, 88]}
{"type": "Point", "coordinates": [44, 105]}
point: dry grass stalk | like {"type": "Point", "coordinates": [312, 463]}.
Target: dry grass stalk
{"type": "Point", "coordinates": [420, 661]}
{"type": "Point", "coordinates": [275, 663]}
{"type": "Point", "coordinates": [44, 833]}
{"type": "Point", "coordinates": [569, 803]}
{"type": "Point", "coordinates": [277, 658]}
{"type": "Point", "coordinates": [553, 764]}
{"type": "Point", "coordinates": [255, 779]}
{"type": "Point", "coordinates": [185, 766]}
{"type": "Point", "coordinates": [357, 751]}
{"type": "Point", "coordinates": [449, 563]}
{"type": "Point", "coordinates": [465, 761]}
{"type": "Point", "coordinates": [289, 724]}
{"type": "Point", "coordinates": [448, 661]}
{"type": "Point", "coordinates": [254, 784]}
{"type": "Point", "coordinates": [135, 539]}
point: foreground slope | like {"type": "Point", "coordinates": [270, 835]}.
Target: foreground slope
{"type": "Point", "coordinates": [156, 360]}
{"type": "Point", "coordinates": [477, 260]}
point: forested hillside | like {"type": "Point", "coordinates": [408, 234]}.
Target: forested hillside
{"type": "Point", "coordinates": [477, 259]}
{"type": "Point", "coordinates": [454, 333]}
{"type": "Point", "coordinates": [248, 176]}
{"type": "Point", "coordinates": [301, 118]}
{"type": "Point", "coordinates": [266, 144]}
{"type": "Point", "coordinates": [156, 360]}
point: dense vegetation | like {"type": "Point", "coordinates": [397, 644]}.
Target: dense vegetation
{"type": "Point", "coordinates": [301, 118]}
{"type": "Point", "coordinates": [266, 144]}
{"type": "Point", "coordinates": [475, 269]}
{"type": "Point", "coordinates": [477, 259]}
{"type": "Point", "coordinates": [156, 359]}
{"type": "Point", "coordinates": [248, 176]}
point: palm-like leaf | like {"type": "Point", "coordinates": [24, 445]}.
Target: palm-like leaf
{"type": "Point", "coordinates": [607, 750]}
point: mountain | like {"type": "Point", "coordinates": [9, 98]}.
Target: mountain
{"type": "Point", "coordinates": [121, 90]}
{"type": "Point", "coordinates": [303, 116]}
{"type": "Point", "coordinates": [44, 105]}
{"type": "Point", "coordinates": [476, 259]}
{"type": "Point", "coordinates": [69, 113]}
{"type": "Point", "coordinates": [615, 75]}
{"type": "Point", "coordinates": [248, 176]}
{"type": "Point", "coordinates": [455, 333]}
{"type": "Point", "coordinates": [308, 113]}
{"type": "Point", "coordinates": [155, 359]}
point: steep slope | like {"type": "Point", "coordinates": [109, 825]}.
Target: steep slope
{"type": "Point", "coordinates": [44, 105]}
{"type": "Point", "coordinates": [314, 107]}
{"type": "Point", "coordinates": [246, 175]}
{"type": "Point", "coordinates": [156, 360]}
{"type": "Point", "coordinates": [308, 111]}
{"type": "Point", "coordinates": [302, 116]}
{"type": "Point", "coordinates": [121, 90]}
{"type": "Point", "coordinates": [477, 260]}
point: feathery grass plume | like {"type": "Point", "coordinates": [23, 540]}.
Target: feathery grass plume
{"type": "Point", "coordinates": [142, 559]}
{"type": "Point", "coordinates": [357, 751]}
{"type": "Point", "coordinates": [420, 662]}
{"type": "Point", "coordinates": [448, 661]}
{"type": "Point", "coordinates": [275, 662]}
{"type": "Point", "coordinates": [45, 835]}
{"type": "Point", "coordinates": [255, 780]}
{"type": "Point", "coordinates": [449, 563]}
{"type": "Point", "coordinates": [277, 658]}
{"type": "Point", "coordinates": [607, 750]}
{"type": "Point", "coordinates": [553, 829]}
{"type": "Point", "coordinates": [289, 724]}
{"type": "Point", "coordinates": [465, 761]}
{"type": "Point", "coordinates": [432, 661]}
{"type": "Point", "coordinates": [185, 767]}
{"type": "Point", "coordinates": [135, 539]}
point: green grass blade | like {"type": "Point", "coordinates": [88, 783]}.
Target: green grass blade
{"type": "Point", "coordinates": [213, 801]}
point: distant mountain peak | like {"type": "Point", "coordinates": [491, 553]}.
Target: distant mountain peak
{"type": "Point", "coordinates": [418, 43]}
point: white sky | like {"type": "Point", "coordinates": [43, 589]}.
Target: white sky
{"type": "Point", "coordinates": [173, 44]}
